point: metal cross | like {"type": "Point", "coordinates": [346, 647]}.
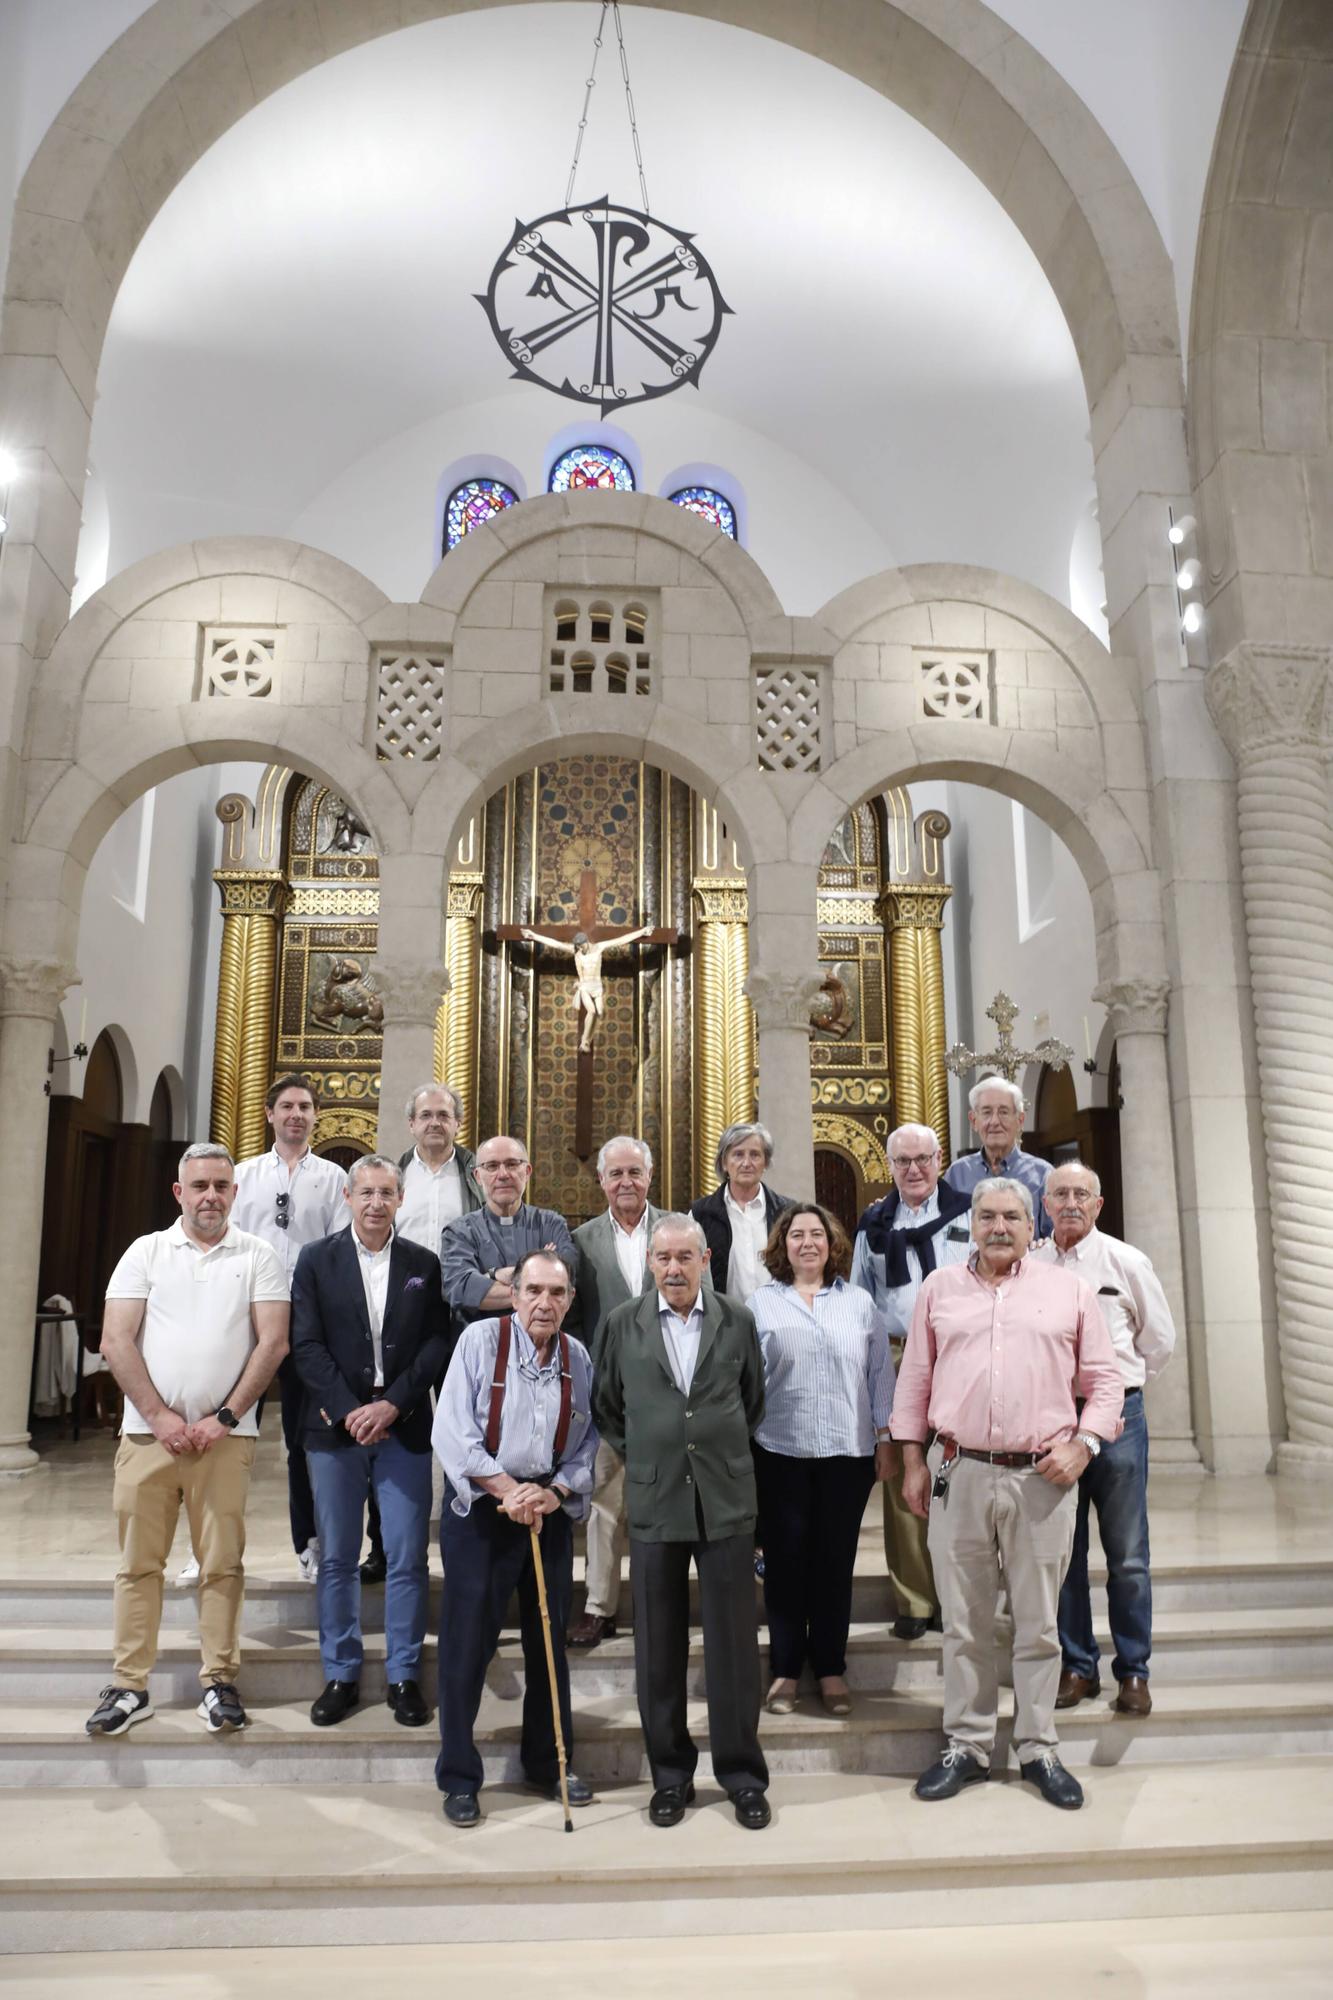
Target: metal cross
{"type": "Point", "coordinates": [1005, 1060]}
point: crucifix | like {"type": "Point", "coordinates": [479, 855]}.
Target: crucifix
{"type": "Point", "coordinates": [587, 943]}
{"type": "Point", "coordinates": [1005, 1060]}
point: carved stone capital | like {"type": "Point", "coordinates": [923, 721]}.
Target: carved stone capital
{"type": "Point", "coordinates": [33, 988]}
{"type": "Point", "coordinates": [783, 999]}
{"type": "Point", "coordinates": [1273, 698]}
{"type": "Point", "coordinates": [411, 993]}
{"type": "Point", "coordinates": [1136, 1006]}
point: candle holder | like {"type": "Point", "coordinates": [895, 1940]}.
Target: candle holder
{"type": "Point", "coordinates": [79, 1053]}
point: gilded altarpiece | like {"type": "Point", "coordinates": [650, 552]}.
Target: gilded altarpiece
{"type": "Point", "coordinates": [849, 1049]}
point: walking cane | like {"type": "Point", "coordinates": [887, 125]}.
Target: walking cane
{"type": "Point", "coordinates": [550, 1669]}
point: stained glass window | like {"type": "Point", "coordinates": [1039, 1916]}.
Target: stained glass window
{"type": "Point", "coordinates": [713, 506]}
{"type": "Point", "coordinates": [589, 465]}
{"type": "Point", "coordinates": [472, 505]}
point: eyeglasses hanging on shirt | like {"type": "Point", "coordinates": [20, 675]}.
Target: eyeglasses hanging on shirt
{"type": "Point", "coordinates": [283, 1218]}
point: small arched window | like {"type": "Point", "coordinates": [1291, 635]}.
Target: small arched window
{"type": "Point", "coordinates": [471, 505]}
{"type": "Point", "coordinates": [588, 466]}
{"type": "Point", "coordinates": [708, 502]}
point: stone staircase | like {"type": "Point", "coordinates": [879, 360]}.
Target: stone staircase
{"type": "Point", "coordinates": [289, 1834]}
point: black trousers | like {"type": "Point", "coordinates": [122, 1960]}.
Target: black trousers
{"type": "Point", "coordinates": [300, 1500]}
{"type": "Point", "coordinates": [660, 1584]}
{"type": "Point", "coordinates": [486, 1558]}
{"type": "Point", "coordinates": [810, 1512]}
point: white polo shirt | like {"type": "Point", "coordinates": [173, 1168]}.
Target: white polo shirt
{"type": "Point", "coordinates": [197, 1334]}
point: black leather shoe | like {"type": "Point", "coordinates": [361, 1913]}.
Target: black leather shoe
{"type": "Point", "coordinates": [910, 1628]}
{"type": "Point", "coordinates": [338, 1699]}
{"type": "Point", "coordinates": [668, 1803]}
{"type": "Point", "coordinates": [461, 1809]}
{"type": "Point", "coordinates": [404, 1698]}
{"type": "Point", "coordinates": [1056, 1785]}
{"type": "Point", "coordinates": [374, 1569]}
{"type": "Point", "coordinates": [580, 1791]}
{"type": "Point", "coordinates": [752, 1810]}
{"type": "Point", "coordinates": [956, 1768]}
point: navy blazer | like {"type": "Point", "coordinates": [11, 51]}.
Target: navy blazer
{"type": "Point", "coordinates": [710, 1212]}
{"type": "Point", "coordinates": [331, 1344]}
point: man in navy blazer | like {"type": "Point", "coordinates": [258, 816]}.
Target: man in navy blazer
{"type": "Point", "coordinates": [369, 1338]}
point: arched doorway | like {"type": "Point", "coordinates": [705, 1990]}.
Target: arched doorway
{"type": "Point", "coordinates": [86, 1192]}
{"type": "Point", "coordinates": [1062, 1131]}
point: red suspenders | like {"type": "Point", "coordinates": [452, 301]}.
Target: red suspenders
{"type": "Point", "coordinates": [501, 1378]}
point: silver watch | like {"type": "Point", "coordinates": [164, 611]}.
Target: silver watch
{"type": "Point", "coordinates": [1091, 1440]}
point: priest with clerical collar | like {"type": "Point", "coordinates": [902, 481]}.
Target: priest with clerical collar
{"type": "Point", "coordinates": [995, 1109]}
{"type": "Point", "coordinates": [479, 1252]}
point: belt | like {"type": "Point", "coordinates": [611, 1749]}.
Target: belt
{"type": "Point", "coordinates": [1012, 1460]}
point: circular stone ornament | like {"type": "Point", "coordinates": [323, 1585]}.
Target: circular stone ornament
{"type": "Point", "coordinates": [604, 305]}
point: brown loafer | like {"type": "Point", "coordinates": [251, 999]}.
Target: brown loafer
{"type": "Point", "coordinates": [590, 1630]}
{"type": "Point", "coordinates": [1133, 1698]}
{"type": "Point", "coordinates": [1075, 1688]}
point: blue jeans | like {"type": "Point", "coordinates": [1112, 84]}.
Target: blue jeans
{"type": "Point", "coordinates": [343, 1480]}
{"type": "Point", "coordinates": [1116, 1484]}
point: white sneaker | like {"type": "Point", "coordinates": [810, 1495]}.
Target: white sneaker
{"type": "Point", "coordinates": [190, 1573]}
{"type": "Point", "coordinates": [308, 1561]}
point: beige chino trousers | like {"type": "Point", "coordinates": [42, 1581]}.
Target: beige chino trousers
{"type": "Point", "coordinates": [608, 1534]}
{"type": "Point", "coordinates": [996, 1518]}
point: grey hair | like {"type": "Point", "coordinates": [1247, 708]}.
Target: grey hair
{"type": "Point", "coordinates": [544, 1257]}
{"type": "Point", "coordinates": [1063, 1166]}
{"type": "Point", "coordinates": [995, 1083]}
{"type": "Point", "coordinates": [733, 1136]}
{"type": "Point", "coordinates": [687, 1222]}
{"type": "Point", "coordinates": [204, 1149]}
{"type": "Point", "coordinates": [368, 1160]}
{"type": "Point", "coordinates": [1002, 1184]}
{"type": "Point", "coordinates": [626, 1139]}
{"type": "Point", "coordinates": [435, 1089]}
{"type": "Point", "coordinates": [902, 1131]}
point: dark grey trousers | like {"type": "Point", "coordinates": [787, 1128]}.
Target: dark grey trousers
{"type": "Point", "coordinates": [660, 1582]}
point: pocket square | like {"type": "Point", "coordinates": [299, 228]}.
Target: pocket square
{"type": "Point", "coordinates": [414, 1284]}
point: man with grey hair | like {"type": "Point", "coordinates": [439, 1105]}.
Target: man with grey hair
{"type": "Point", "coordinates": [194, 1327]}
{"type": "Point", "coordinates": [369, 1329]}
{"type": "Point", "coordinates": [738, 1216]}
{"type": "Point", "coordinates": [479, 1252]}
{"type": "Point", "coordinates": [1116, 1483]}
{"type": "Point", "coordinates": [995, 1109]}
{"type": "Point", "coordinates": [920, 1227]}
{"type": "Point", "coordinates": [439, 1183]}
{"type": "Point", "coordinates": [1002, 1350]}
{"type": "Point", "coordinates": [679, 1394]}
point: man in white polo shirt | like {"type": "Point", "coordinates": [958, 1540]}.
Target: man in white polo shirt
{"type": "Point", "coordinates": [194, 1328]}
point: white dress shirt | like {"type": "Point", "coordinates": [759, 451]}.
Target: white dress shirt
{"type": "Point", "coordinates": [631, 1252]}
{"type": "Point", "coordinates": [374, 1267]}
{"type": "Point", "coordinates": [746, 1269]}
{"type": "Point", "coordinates": [432, 1196]}
{"type": "Point", "coordinates": [1131, 1298]}
{"type": "Point", "coordinates": [682, 1338]}
{"type": "Point", "coordinates": [315, 1205]}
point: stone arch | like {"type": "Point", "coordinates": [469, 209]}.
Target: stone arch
{"type": "Point", "coordinates": [127, 1065]}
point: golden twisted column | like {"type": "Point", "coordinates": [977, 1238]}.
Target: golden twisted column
{"type": "Point", "coordinates": [914, 918]}
{"type": "Point", "coordinates": [724, 1032]}
{"type": "Point", "coordinates": [456, 1022]}
{"type": "Point", "coordinates": [227, 1038]}
{"type": "Point", "coordinates": [252, 902]}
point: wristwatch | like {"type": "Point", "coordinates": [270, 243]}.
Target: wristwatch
{"type": "Point", "coordinates": [228, 1418]}
{"type": "Point", "coordinates": [1089, 1439]}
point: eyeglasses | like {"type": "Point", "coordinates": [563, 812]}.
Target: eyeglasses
{"type": "Point", "coordinates": [283, 1218]}
{"type": "Point", "coordinates": [496, 1166]}
{"type": "Point", "coordinates": [921, 1160]}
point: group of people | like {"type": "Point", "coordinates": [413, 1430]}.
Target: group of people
{"type": "Point", "coordinates": [699, 1387]}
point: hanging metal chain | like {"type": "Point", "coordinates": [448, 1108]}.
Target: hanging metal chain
{"type": "Point", "coordinates": [587, 99]}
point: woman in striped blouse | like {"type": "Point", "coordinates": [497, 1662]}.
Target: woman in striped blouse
{"type": "Point", "coordinates": [828, 1390]}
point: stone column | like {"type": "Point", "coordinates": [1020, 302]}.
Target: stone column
{"type": "Point", "coordinates": [1137, 1008]}
{"type": "Point", "coordinates": [782, 1001]}
{"type": "Point", "coordinates": [31, 990]}
{"type": "Point", "coordinates": [412, 996]}
{"type": "Point", "coordinates": [1273, 706]}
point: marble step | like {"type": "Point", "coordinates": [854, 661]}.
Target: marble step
{"type": "Point", "coordinates": [43, 1743]}
{"type": "Point", "coordinates": [277, 1599]}
{"type": "Point", "coordinates": [302, 1865]}
{"type": "Point", "coordinates": [66, 1662]}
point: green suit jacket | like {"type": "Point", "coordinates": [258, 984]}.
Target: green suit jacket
{"type": "Point", "coordinates": [601, 1282]}
{"type": "Point", "coordinates": [678, 1449]}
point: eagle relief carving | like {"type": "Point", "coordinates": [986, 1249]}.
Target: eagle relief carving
{"type": "Point", "coordinates": [346, 1002]}
{"type": "Point", "coordinates": [832, 1011]}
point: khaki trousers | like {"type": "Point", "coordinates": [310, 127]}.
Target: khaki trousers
{"type": "Point", "coordinates": [150, 1486]}
{"type": "Point", "coordinates": [608, 1534]}
{"type": "Point", "coordinates": [905, 1554]}
{"type": "Point", "coordinates": [1016, 1519]}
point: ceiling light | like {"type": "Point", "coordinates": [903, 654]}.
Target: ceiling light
{"type": "Point", "coordinates": [1193, 619]}
{"type": "Point", "coordinates": [1178, 530]}
{"type": "Point", "coordinates": [9, 467]}
{"type": "Point", "coordinates": [1187, 576]}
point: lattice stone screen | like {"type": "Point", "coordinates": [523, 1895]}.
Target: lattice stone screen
{"type": "Point", "coordinates": [788, 719]}
{"type": "Point", "coordinates": [600, 641]}
{"type": "Point", "coordinates": [957, 686]}
{"type": "Point", "coordinates": [409, 705]}
{"type": "Point", "coordinates": [238, 662]}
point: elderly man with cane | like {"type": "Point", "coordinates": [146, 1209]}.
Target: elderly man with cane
{"type": "Point", "coordinates": [515, 1435]}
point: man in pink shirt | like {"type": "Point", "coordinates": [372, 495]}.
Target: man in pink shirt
{"type": "Point", "coordinates": [997, 1353]}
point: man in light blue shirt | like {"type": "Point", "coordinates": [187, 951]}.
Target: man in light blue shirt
{"type": "Point", "coordinates": [515, 1435]}
{"type": "Point", "coordinates": [995, 1110]}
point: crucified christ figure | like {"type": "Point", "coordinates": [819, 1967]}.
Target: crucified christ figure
{"type": "Point", "coordinates": [587, 956]}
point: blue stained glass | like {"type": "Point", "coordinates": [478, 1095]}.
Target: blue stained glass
{"type": "Point", "coordinates": [588, 466]}
{"type": "Point", "coordinates": [713, 506]}
{"type": "Point", "coordinates": [472, 505]}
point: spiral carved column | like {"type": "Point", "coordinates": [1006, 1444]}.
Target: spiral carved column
{"type": "Point", "coordinates": [1274, 707]}
{"type": "Point", "coordinates": [456, 1021]}
{"type": "Point", "coordinates": [914, 919]}
{"type": "Point", "coordinates": [724, 1033]}
{"type": "Point", "coordinates": [252, 904]}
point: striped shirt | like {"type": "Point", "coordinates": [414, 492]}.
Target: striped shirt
{"type": "Point", "coordinates": [828, 1374]}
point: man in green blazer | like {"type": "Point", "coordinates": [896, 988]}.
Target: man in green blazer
{"type": "Point", "coordinates": [679, 1391]}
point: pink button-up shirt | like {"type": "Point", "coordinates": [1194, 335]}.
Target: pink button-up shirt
{"type": "Point", "coordinates": [998, 1366]}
